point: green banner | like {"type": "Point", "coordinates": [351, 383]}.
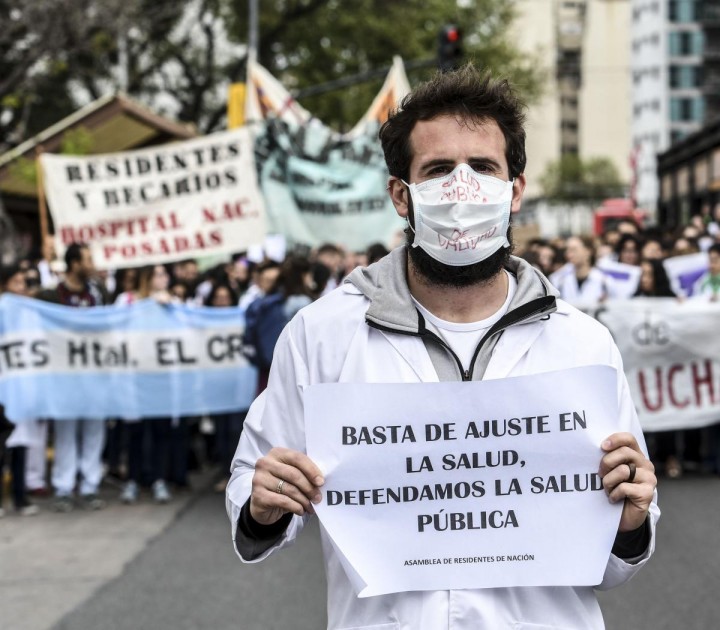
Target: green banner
{"type": "Point", "coordinates": [320, 187]}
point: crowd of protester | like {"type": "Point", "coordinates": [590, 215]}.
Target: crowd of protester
{"type": "Point", "coordinates": [67, 460]}
{"type": "Point", "coordinates": [573, 265]}
{"type": "Point", "coordinates": [154, 455]}
{"type": "Point", "coordinates": [572, 262]}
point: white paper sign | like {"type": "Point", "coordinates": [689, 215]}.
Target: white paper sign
{"type": "Point", "coordinates": [435, 486]}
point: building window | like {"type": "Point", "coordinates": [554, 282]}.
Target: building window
{"type": "Point", "coordinates": [687, 109]}
{"type": "Point", "coordinates": [685, 43]}
{"type": "Point", "coordinates": [684, 77]}
{"type": "Point", "coordinates": [683, 11]}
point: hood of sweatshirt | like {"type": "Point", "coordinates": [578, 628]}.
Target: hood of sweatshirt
{"type": "Point", "coordinates": [392, 309]}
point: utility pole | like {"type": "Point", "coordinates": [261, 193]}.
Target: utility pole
{"type": "Point", "coordinates": [123, 56]}
{"type": "Point", "coordinates": [253, 36]}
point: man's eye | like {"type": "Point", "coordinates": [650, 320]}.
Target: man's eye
{"type": "Point", "coordinates": [439, 170]}
{"type": "Point", "coordinates": [483, 168]}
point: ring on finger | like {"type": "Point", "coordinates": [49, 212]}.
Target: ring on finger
{"type": "Point", "coordinates": [280, 485]}
{"type": "Point", "coordinates": [633, 470]}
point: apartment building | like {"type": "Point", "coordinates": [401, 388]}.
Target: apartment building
{"type": "Point", "coordinates": [671, 96]}
{"type": "Point", "coordinates": [583, 48]}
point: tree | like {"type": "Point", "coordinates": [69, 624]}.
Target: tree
{"type": "Point", "coordinates": [308, 42]}
{"type": "Point", "coordinates": [570, 179]}
{"type": "Point", "coordinates": [178, 56]}
{"type": "Point", "coordinates": [56, 55]}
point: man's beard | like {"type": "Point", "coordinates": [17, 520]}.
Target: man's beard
{"type": "Point", "coordinates": [439, 274]}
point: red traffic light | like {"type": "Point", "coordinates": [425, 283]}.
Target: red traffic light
{"type": "Point", "coordinates": [449, 47]}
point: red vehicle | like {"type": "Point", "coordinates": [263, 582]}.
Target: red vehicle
{"type": "Point", "coordinates": [613, 211]}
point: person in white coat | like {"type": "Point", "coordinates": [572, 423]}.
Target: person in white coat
{"type": "Point", "coordinates": [580, 281]}
{"type": "Point", "coordinates": [78, 443]}
{"type": "Point", "coordinates": [707, 287]}
{"type": "Point", "coordinates": [452, 304]}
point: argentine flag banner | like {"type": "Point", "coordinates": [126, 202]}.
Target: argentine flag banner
{"type": "Point", "coordinates": [137, 361]}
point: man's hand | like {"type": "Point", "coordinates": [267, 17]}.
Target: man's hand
{"type": "Point", "coordinates": [622, 456]}
{"type": "Point", "coordinates": [284, 481]}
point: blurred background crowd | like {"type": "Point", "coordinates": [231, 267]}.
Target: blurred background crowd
{"type": "Point", "coordinates": [153, 456]}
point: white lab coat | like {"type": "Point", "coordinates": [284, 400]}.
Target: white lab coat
{"type": "Point", "coordinates": [329, 341]}
{"type": "Point", "coordinates": [597, 287]}
{"type": "Point", "coordinates": [26, 433]}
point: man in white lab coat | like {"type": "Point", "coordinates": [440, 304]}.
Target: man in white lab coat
{"type": "Point", "coordinates": [452, 304]}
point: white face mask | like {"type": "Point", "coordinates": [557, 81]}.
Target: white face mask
{"type": "Point", "coordinates": [461, 218]}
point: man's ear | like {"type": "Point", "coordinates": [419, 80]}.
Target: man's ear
{"type": "Point", "coordinates": [518, 190]}
{"type": "Point", "coordinates": [399, 196]}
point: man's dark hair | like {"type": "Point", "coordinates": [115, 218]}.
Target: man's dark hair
{"type": "Point", "coordinates": [217, 287]}
{"type": "Point", "coordinates": [291, 280]}
{"type": "Point", "coordinates": [471, 95]}
{"type": "Point", "coordinates": [375, 252]}
{"type": "Point", "coordinates": [626, 238]}
{"type": "Point", "coordinates": [714, 248]}
{"type": "Point", "coordinates": [6, 273]}
{"type": "Point", "coordinates": [265, 265]}
{"type": "Point", "coordinates": [74, 254]}
{"type": "Point", "coordinates": [328, 248]}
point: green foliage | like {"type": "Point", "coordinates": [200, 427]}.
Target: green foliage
{"type": "Point", "coordinates": [77, 141]}
{"type": "Point", "coordinates": [178, 56]}
{"type": "Point", "coordinates": [25, 170]}
{"type": "Point", "coordinates": [309, 42]}
{"type": "Point", "coordinates": [571, 178]}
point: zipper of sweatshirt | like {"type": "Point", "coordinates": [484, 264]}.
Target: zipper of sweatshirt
{"type": "Point", "coordinates": [520, 314]}
{"type": "Point", "coordinates": [424, 333]}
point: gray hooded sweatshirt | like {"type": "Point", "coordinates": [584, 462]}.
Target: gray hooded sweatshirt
{"type": "Point", "coordinates": [393, 310]}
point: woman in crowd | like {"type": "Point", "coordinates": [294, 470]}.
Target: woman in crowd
{"type": "Point", "coordinates": [26, 432]}
{"type": "Point", "coordinates": [628, 249]}
{"type": "Point", "coordinates": [654, 282]}
{"type": "Point", "coordinates": [265, 318]}
{"type": "Point", "coordinates": [228, 426]}
{"type": "Point", "coordinates": [147, 436]}
{"type": "Point", "coordinates": [581, 280]}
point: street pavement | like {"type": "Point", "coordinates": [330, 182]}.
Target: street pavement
{"type": "Point", "coordinates": [172, 567]}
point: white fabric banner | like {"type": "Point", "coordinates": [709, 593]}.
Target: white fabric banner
{"type": "Point", "coordinates": [435, 486]}
{"type": "Point", "coordinates": [135, 361]}
{"type": "Point", "coordinates": [394, 89]}
{"type": "Point", "coordinates": [267, 98]}
{"type": "Point", "coordinates": [182, 200]}
{"type": "Point", "coordinates": [671, 357]}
